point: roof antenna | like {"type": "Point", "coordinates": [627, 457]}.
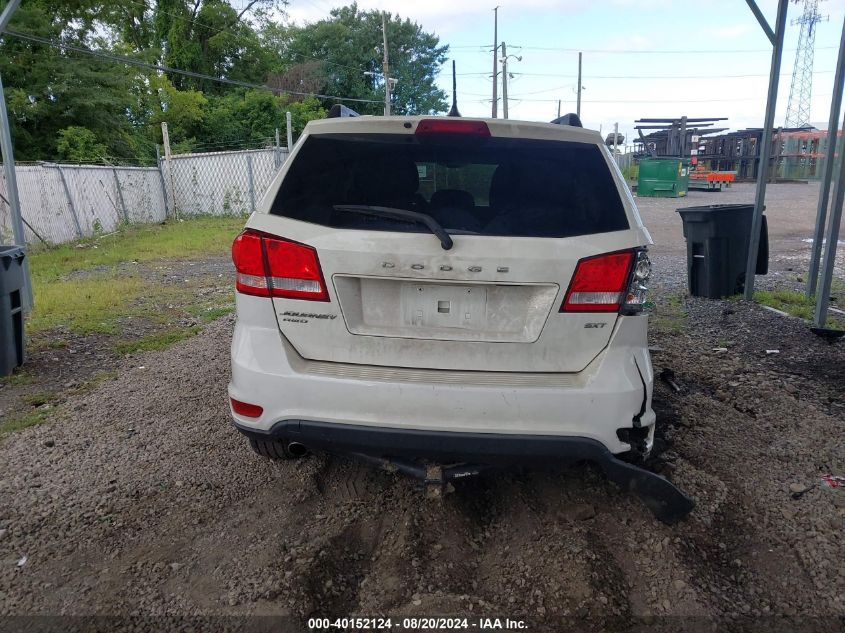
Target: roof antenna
{"type": "Point", "coordinates": [454, 110]}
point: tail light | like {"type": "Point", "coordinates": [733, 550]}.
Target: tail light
{"type": "Point", "coordinates": [246, 409]}
{"type": "Point", "coordinates": [269, 266]}
{"type": "Point", "coordinates": [607, 283]}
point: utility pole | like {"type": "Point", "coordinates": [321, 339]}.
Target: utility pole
{"type": "Point", "coordinates": [9, 170]}
{"type": "Point", "coordinates": [578, 106]}
{"type": "Point", "coordinates": [504, 80]}
{"type": "Point", "coordinates": [495, 62]}
{"type": "Point", "coordinates": [289, 130]}
{"type": "Point", "coordinates": [385, 67]}
{"type": "Point", "coordinates": [615, 142]}
{"type": "Point", "coordinates": [558, 108]}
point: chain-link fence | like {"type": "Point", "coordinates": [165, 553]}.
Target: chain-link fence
{"type": "Point", "coordinates": [220, 183]}
{"type": "Point", "coordinates": [63, 203]}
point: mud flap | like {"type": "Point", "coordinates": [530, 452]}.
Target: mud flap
{"type": "Point", "coordinates": [665, 500]}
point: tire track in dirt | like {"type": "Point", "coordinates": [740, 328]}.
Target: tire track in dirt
{"type": "Point", "coordinates": [178, 516]}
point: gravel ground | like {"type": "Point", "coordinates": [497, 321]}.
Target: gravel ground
{"type": "Point", "coordinates": [141, 500]}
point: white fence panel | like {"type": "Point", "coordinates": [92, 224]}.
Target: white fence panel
{"type": "Point", "coordinates": [63, 203]}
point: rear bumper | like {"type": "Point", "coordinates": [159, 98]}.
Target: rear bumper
{"type": "Point", "coordinates": [488, 448]}
{"type": "Point", "coordinates": [612, 393]}
{"type": "Point", "coordinates": [668, 503]}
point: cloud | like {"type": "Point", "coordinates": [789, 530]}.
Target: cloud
{"type": "Point", "coordinates": [730, 32]}
{"type": "Point", "coordinates": [440, 16]}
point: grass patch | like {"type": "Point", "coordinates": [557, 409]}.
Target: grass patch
{"type": "Point", "coordinates": [796, 304]}
{"type": "Point", "coordinates": [207, 314]}
{"type": "Point", "coordinates": [174, 239]}
{"type": "Point", "coordinates": [25, 420]}
{"type": "Point", "coordinates": [157, 341]}
{"type": "Point", "coordinates": [18, 377]}
{"type": "Point", "coordinates": [97, 300]}
{"type": "Point", "coordinates": [85, 305]}
{"type": "Point", "coordinates": [668, 314]}
{"type": "Point", "coordinates": [39, 398]}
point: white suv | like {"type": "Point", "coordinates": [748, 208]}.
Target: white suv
{"type": "Point", "coordinates": [448, 290]}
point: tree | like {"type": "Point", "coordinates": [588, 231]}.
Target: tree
{"type": "Point", "coordinates": [211, 37]}
{"type": "Point", "coordinates": [350, 43]}
{"type": "Point", "coordinates": [66, 104]}
{"type": "Point", "coordinates": [50, 89]}
{"type": "Point", "coordinates": [80, 145]}
{"type": "Point", "coordinates": [254, 116]}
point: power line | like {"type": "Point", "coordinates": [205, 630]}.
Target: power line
{"type": "Point", "coordinates": [517, 98]}
{"type": "Point", "coordinates": [617, 77]}
{"type": "Point", "coordinates": [665, 51]}
{"type": "Point", "coordinates": [177, 71]}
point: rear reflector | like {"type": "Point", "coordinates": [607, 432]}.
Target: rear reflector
{"type": "Point", "coordinates": [268, 266]}
{"type": "Point", "coordinates": [599, 284]}
{"type": "Point", "coordinates": [452, 126]}
{"type": "Point", "coordinates": [245, 409]}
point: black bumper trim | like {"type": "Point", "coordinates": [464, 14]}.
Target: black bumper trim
{"type": "Point", "coordinates": [663, 498]}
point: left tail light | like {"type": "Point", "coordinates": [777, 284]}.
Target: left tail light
{"type": "Point", "coordinates": [269, 266]}
{"type": "Point", "coordinates": [608, 283]}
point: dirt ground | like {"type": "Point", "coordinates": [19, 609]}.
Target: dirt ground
{"type": "Point", "coordinates": [140, 500]}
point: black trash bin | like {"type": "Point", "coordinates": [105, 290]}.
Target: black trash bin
{"type": "Point", "coordinates": [11, 308]}
{"type": "Point", "coordinates": [717, 248]}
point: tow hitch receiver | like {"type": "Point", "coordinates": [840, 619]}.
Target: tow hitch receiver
{"type": "Point", "coordinates": [665, 500]}
{"type": "Point", "coordinates": [436, 479]}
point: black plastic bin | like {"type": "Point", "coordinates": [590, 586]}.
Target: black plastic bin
{"type": "Point", "coordinates": [11, 308]}
{"type": "Point", "coordinates": [717, 248]}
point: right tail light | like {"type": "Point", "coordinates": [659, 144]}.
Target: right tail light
{"type": "Point", "coordinates": [609, 283]}
{"type": "Point", "coordinates": [269, 266]}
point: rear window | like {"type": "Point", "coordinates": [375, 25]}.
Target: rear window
{"type": "Point", "coordinates": [483, 186]}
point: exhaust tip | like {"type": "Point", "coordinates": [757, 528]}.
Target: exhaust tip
{"type": "Point", "coordinates": [295, 449]}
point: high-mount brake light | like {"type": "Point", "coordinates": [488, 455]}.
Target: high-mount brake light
{"type": "Point", "coordinates": [269, 266]}
{"type": "Point", "coordinates": [600, 283]}
{"type": "Point", "coordinates": [452, 126]}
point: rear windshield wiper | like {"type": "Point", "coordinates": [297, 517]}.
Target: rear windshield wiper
{"type": "Point", "coordinates": [401, 214]}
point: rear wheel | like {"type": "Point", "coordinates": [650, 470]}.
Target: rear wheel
{"type": "Point", "coordinates": [275, 449]}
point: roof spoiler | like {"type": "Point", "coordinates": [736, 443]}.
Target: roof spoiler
{"type": "Point", "coordinates": [568, 119]}
{"type": "Point", "coordinates": [338, 111]}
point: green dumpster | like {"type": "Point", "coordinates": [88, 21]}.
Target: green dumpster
{"type": "Point", "coordinates": [663, 177]}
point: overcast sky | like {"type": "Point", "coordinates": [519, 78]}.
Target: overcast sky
{"type": "Point", "coordinates": [642, 58]}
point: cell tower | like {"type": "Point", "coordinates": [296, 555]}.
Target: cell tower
{"type": "Point", "coordinates": [801, 90]}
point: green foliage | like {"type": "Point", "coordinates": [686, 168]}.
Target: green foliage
{"type": "Point", "coordinates": [70, 106]}
{"type": "Point", "coordinates": [183, 110]}
{"type": "Point", "coordinates": [350, 42]}
{"type": "Point", "coordinates": [79, 145]}
{"type": "Point", "coordinates": [631, 172]}
{"type": "Point", "coordinates": [254, 115]}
